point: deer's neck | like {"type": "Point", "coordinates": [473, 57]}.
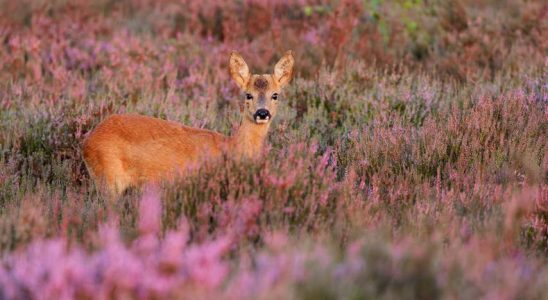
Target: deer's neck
{"type": "Point", "coordinates": [250, 138]}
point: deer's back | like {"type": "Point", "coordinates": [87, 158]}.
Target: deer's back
{"type": "Point", "coordinates": [137, 148]}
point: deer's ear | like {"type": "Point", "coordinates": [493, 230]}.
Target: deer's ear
{"type": "Point", "coordinates": [238, 69]}
{"type": "Point", "coordinates": [283, 71]}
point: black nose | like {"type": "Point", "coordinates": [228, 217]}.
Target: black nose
{"type": "Point", "coordinates": [262, 114]}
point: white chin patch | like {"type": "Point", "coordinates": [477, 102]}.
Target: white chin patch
{"type": "Point", "coordinates": [259, 121]}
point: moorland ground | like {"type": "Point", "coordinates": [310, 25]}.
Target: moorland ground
{"type": "Point", "coordinates": [407, 160]}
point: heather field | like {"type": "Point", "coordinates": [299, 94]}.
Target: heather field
{"type": "Point", "coordinates": [408, 158]}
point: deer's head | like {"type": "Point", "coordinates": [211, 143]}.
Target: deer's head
{"type": "Point", "coordinates": [261, 90]}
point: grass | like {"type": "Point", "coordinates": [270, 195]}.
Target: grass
{"type": "Point", "coordinates": [408, 162]}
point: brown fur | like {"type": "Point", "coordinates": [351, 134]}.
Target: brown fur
{"type": "Point", "coordinates": [261, 84]}
{"type": "Point", "coordinates": [129, 150]}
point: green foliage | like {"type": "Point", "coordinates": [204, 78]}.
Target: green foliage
{"type": "Point", "coordinates": [419, 127]}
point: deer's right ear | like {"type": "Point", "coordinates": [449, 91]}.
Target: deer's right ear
{"type": "Point", "coordinates": [238, 69]}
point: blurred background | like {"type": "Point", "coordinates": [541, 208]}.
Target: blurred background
{"type": "Point", "coordinates": [407, 159]}
{"type": "Point", "coordinates": [457, 39]}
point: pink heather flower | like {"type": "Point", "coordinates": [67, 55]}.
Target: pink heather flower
{"type": "Point", "coordinates": [276, 240]}
{"type": "Point", "coordinates": [173, 246]}
{"type": "Point", "coordinates": [204, 265]}
{"type": "Point", "coordinates": [146, 244]}
{"type": "Point", "coordinates": [270, 269]}
{"type": "Point", "coordinates": [312, 37]}
{"type": "Point", "coordinates": [46, 270]}
{"type": "Point", "coordinates": [285, 181]}
{"type": "Point", "coordinates": [248, 213]}
{"type": "Point", "coordinates": [150, 212]}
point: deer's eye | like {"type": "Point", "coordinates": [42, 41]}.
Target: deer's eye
{"type": "Point", "coordinates": [275, 96]}
{"type": "Point", "coordinates": [248, 96]}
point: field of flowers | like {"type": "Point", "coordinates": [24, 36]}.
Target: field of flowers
{"type": "Point", "coordinates": [408, 161]}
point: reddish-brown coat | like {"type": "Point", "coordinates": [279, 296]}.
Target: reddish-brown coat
{"type": "Point", "coordinates": [129, 150]}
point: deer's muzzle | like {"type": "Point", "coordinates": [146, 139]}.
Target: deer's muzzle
{"type": "Point", "coordinates": [262, 115]}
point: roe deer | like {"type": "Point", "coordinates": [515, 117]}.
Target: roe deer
{"type": "Point", "coordinates": [130, 150]}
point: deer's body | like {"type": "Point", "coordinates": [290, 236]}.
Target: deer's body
{"type": "Point", "coordinates": [130, 150]}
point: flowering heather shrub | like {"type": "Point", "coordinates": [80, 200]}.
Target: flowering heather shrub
{"type": "Point", "coordinates": [156, 265]}
{"type": "Point", "coordinates": [148, 268]}
{"type": "Point", "coordinates": [408, 159]}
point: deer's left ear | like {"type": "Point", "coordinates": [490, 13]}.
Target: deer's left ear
{"type": "Point", "coordinates": [283, 71]}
